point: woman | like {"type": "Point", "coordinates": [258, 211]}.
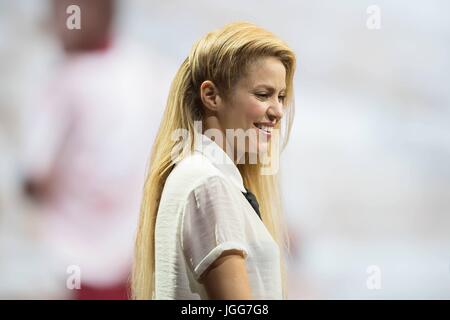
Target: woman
{"type": "Point", "coordinates": [202, 234]}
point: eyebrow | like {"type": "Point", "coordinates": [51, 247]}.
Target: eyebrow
{"type": "Point", "coordinates": [270, 88]}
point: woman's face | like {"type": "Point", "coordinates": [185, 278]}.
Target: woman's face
{"type": "Point", "coordinates": [255, 105]}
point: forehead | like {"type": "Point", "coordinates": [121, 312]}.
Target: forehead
{"type": "Point", "coordinates": [266, 72]}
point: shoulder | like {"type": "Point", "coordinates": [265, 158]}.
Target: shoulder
{"type": "Point", "coordinates": [192, 173]}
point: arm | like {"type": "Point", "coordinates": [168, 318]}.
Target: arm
{"type": "Point", "coordinates": [226, 278]}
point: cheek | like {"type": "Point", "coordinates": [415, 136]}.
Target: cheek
{"type": "Point", "coordinates": [255, 111]}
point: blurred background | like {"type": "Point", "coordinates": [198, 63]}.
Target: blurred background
{"type": "Point", "coordinates": [365, 177]}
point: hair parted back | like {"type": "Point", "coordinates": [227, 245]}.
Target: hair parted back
{"type": "Point", "coordinates": [223, 57]}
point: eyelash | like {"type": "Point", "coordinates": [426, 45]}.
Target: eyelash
{"type": "Point", "coordinates": [265, 95]}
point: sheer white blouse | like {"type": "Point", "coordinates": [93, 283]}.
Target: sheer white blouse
{"type": "Point", "coordinates": [202, 213]}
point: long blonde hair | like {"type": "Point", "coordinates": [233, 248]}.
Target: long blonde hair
{"type": "Point", "coordinates": [222, 56]}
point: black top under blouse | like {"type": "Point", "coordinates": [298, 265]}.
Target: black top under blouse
{"type": "Point", "coordinates": [251, 198]}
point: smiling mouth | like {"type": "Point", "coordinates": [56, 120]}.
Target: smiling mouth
{"type": "Point", "coordinates": [265, 128]}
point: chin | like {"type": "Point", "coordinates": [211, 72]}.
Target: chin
{"type": "Point", "coordinates": [263, 147]}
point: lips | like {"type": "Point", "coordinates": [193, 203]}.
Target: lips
{"type": "Point", "coordinates": [265, 127]}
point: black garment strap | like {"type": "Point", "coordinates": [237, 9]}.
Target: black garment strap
{"type": "Point", "coordinates": [251, 198]}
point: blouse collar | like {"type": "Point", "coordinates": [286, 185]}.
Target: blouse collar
{"type": "Point", "coordinates": [220, 159]}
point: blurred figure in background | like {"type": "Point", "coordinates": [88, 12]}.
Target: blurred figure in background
{"type": "Point", "coordinates": [87, 138]}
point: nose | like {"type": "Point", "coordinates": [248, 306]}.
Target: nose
{"type": "Point", "coordinates": [275, 111]}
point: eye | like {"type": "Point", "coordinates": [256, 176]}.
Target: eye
{"type": "Point", "coordinates": [262, 95]}
{"type": "Point", "coordinates": [281, 98]}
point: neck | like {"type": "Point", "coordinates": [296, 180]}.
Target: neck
{"type": "Point", "coordinates": [99, 45]}
{"type": "Point", "coordinates": [213, 130]}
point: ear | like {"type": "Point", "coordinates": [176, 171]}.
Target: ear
{"type": "Point", "coordinates": [210, 96]}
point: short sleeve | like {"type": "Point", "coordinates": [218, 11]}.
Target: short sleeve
{"type": "Point", "coordinates": [213, 222]}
